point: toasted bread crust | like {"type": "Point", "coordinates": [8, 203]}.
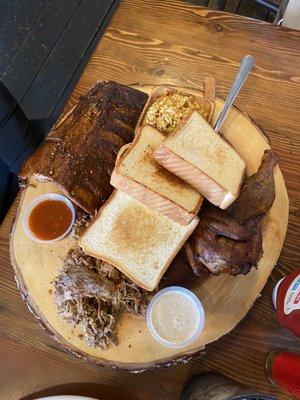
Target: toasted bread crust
{"type": "Point", "coordinates": [135, 162]}
{"type": "Point", "coordinates": [166, 187]}
{"type": "Point", "coordinates": [135, 239]}
{"type": "Point", "coordinates": [194, 146]}
{"type": "Point", "coordinates": [152, 199]}
{"type": "Point", "coordinates": [210, 189]}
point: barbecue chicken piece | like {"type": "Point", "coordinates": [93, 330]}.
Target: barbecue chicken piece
{"type": "Point", "coordinates": [258, 191]}
{"type": "Point", "coordinates": [230, 241]}
{"type": "Point", "coordinates": [222, 245]}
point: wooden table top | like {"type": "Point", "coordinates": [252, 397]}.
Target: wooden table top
{"type": "Point", "coordinates": [159, 42]}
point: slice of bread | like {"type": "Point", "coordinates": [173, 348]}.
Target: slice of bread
{"type": "Point", "coordinates": [171, 195]}
{"type": "Point", "coordinates": [134, 238]}
{"type": "Point", "coordinates": [151, 199]}
{"type": "Point", "coordinates": [201, 157]}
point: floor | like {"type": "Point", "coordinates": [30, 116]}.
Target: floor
{"type": "Point", "coordinates": [45, 44]}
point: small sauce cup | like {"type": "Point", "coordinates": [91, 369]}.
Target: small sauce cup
{"type": "Point", "coordinates": [46, 198]}
{"type": "Point", "coordinates": [175, 317]}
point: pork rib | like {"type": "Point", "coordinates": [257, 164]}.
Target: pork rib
{"type": "Point", "coordinates": [79, 154]}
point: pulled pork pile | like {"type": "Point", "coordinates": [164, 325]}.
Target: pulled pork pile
{"type": "Point", "coordinates": [83, 219]}
{"type": "Point", "coordinates": [94, 294]}
{"type": "Point", "coordinates": [230, 241]}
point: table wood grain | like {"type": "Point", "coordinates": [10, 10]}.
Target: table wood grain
{"type": "Point", "coordinates": [159, 42]}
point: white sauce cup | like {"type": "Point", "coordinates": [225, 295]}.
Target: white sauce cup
{"type": "Point", "coordinates": [40, 199]}
{"type": "Point", "coordinates": [197, 310]}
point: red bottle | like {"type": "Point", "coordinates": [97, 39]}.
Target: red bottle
{"type": "Point", "coordinates": [283, 370]}
{"type": "Point", "coordinates": [286, 300]}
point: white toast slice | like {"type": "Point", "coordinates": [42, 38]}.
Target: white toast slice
{"type": "Point", "coordinates": [151, 199]}
{"type": "Point", "coordinates": [134, 238]}
{"type": "Point", "coordinates": [171, 195]}
{"type": "Point", "coordinates": [201, 157]}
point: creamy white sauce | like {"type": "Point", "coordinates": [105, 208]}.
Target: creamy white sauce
{"type": "Point", "coordinates": [175, 317]}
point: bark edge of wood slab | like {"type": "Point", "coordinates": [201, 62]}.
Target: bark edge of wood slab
{"type": "Point", "coordinates": [35, 267]}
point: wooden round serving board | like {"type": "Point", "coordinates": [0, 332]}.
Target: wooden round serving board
{"type": "Point", "coordinates": [226, 300]}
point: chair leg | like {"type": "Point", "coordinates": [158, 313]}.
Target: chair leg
{"type": "Point", "coordinates": [268, 4]}
{"type": "Point", "coordinates": [281, 11]}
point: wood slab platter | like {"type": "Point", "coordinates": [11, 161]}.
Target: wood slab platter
{"type": "Point", "coordinates": [226, 300]}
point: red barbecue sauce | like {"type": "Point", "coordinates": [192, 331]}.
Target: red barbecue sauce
{"type": "Point", "coordinates": [49, 219]}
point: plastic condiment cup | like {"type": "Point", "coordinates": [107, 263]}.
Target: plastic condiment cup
{"type": "Point", "coordinates": [198, 307]}
{"type": "Point", "coordinates": [40, 199]}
